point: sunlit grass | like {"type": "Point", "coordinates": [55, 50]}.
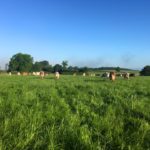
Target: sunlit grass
{"type": "Point", "coordinates": [74, 113]}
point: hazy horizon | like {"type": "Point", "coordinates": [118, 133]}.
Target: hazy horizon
{"type": "Point", "coordinates": [91, 33]}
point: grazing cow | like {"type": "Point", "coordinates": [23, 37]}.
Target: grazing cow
{"type": "Point", "coordinates": [42, 74]}
{"type": "Point", "coordinates": [57, 75]}
{"type": "Point", "coordinates": [9, 73]}
{"type": "Point", "coordinates": [92, 74]}
{"type": "Point", "coordinates": [106, 75]}
{"type": "Point", "coordinates": [24, 73]}
{"type": "Point", "coordinates": [18, 73]}
{"type": "Point", "coordinates": [112, 76]}
{"type": "Point", "coordinates": [36, 73]}
{"type": "Point", "coordinates": [84, 74]}
{"type": "Point", "coordinates": [126, 75]}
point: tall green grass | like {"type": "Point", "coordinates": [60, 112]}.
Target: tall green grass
{"type": "Point", "coordinates": [74, 113]}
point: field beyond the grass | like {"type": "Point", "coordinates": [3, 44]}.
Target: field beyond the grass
{"type": "Point", "coordinates": [74, 113]}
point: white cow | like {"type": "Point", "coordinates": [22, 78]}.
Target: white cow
{"type": "Point", "coordinates": [84, 74]}
{"type": "Point", "coordinates": [127, 75]}
{"type": "Point", "coordinates": [18, 73]}
{"type": "Point", "coordinates": [92, 74]}
{"type": "Point", "coordinates": [57, 75]}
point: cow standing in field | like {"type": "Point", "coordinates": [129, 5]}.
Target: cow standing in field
{"type": "Point", "coordinates": [18, 73]}
{"type": "Point", "coordinates": [24, 73]}
{"type": "Point", "coordinates": [42, 74]}
{"type": "Point", "coordinates": [126, 75]}
{"type": "Point", "coordinates": [92, 74]}
{"type": "Point", "coordinates": [112, 76]}
{"type": "Point", "coordinates": [106, 75]}
{"type": "Point", "coordinates": [57, 75]}
{"type": "Point", "coordinates": [84, 74]}
{"type": "Point", "coordinates": [34, 74]}
{"type": "Point", "coordinates": [9, 73]}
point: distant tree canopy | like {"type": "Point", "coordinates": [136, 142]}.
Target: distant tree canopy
{"type": "Point", "coordinates": [145, 71]}
{"type": "Point", "coordinates": [118, 69]}
{"type": "Point", "coordinates": [58, 68]}
{"type": "Point", "coordinates": [64, 65]}
{"type": "Point", "coordinates": [84, 69]}
{"type": "Point", "coordinates": [42, 66]}
{"type": "Point", "coordinates": [24, 63]}
{"type": "Point", "coordinates": [21, 62]}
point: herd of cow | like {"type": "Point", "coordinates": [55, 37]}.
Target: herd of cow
{"type": "Point", "coordinates": [42, 74]}
{"type": "Point", "coordinates": [110, 75]}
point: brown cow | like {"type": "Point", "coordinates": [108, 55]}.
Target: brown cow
{"type": "Point", "coordinates": [42, 74]}
{"type": "Point", "coordinates": [24, 73]}
{"type": "Point", "coordinates": [112, 76]}
{"type": "Point", "coordinates": [126, 75]}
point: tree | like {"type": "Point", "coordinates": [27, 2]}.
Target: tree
{"type": "Point", "coordinates": [57, 68]}
{"type": "Point", "coordinates": [36, 66]}
{"type": "Point", "coordinates": [42, 65]}
{"type": "Point", "coordinates": [145, 71]}
{"type": "Point", "coordinates": [65, 65]}
{"type": "Point", "coordinates": [118, 69]}
{"type": "Point", "coordinates": [83, 69]}
{"type": "Point", "coordinates": [21, 62]}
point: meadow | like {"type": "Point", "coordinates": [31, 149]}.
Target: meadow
{"type": "Point", "coordinates": [74, 113]}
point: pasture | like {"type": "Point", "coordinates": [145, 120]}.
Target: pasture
{"type": "Point", "coordinates": [74, 113]}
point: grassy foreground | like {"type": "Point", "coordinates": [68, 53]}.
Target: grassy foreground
{"type": "Point", "coordinates": [74, 113]}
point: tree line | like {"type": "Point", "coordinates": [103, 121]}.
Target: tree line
{"type": "Point", "coordinates": [25, 63]}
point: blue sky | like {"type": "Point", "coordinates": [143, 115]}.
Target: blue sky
{"type": "Point", "coordinates": [91, 33]}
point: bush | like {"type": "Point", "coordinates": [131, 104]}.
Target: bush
{"type": "Point", "coordinates": [145, 71]}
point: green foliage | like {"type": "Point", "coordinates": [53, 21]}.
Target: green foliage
{"type": "Point", "coordinates": [74, 113]}
{"type": "Point", "coordinates": [21, 62]}
{"type": "Point", "coordinates": [65, 65]}
{"type": "Point", "coordinates": [118, 69]}
{"type": "Point", "coordinates": [145, 71]}
{"type": "Point", "coordinates": [42, 65]}
{"type": "Point", "coordinates": [58, 68]}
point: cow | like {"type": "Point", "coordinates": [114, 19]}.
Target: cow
{"type": "Point", "coordinates": [112, 76]}
{"type": "Point", "coordinates": [36, 73]}
{"type": "Point", "coordinates": [24, 73]}
{"type": "Point", "coordinates": [9, 73]}
{"type": "Point", "coordinates": [92, 74]}
{"type": "Point", "coordinates": [126, 75]}
{"type": "Point", "coordinates": [57, 75]}
{"type": "Point", "coordinates": [42, 74]}
{"type": "Point", "coordinates": [84, 74]}
{"type": "Point", "coordinates": [105, 75]}
{"type": "Point", "coordinates": [18, 73]}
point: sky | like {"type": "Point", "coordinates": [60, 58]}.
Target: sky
{"type": "Point", "coordinates": [91, 33]}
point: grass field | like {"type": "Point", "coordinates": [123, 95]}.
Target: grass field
{"type": "Point", "coordinates": [74, 113]}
